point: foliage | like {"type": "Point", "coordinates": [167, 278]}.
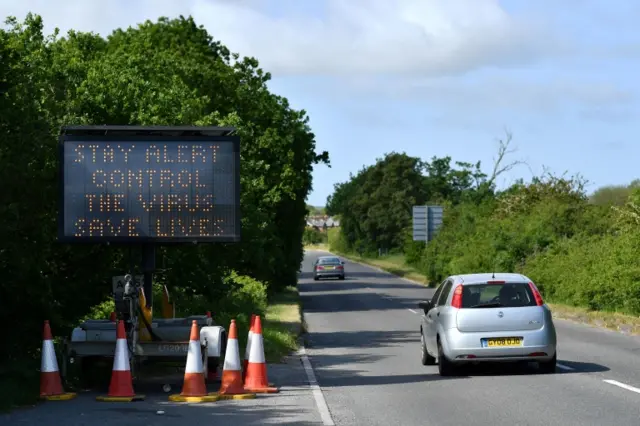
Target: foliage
{"type": "Point", "coordinates": [313, 236]}
{"type": "Point", "coordinates": [316, 211]}
{"type": "Point", "coordinates": [582, 251]}
{"type": "Point", "coordinates": [169, 72]}
{"type": "Point", "coordinates": [615, 195]}
{"type": "Point", "coordinates": [375, 205]}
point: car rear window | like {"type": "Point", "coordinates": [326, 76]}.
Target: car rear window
{"type": "Point", "coordinates": [330, 261]}
{"type": "Point", "coordinates": [507, 295]}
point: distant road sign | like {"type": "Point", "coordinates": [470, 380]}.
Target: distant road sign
{"type": "Point", "coordinates": [427, 221]}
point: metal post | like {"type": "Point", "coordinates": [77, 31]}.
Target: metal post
{"type": "Point", "coordinates": [148, 268]}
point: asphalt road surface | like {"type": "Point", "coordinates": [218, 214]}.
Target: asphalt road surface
{"type": "Point", "coordinates": [363, 344]}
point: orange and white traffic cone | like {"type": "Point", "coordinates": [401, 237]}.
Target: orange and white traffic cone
{"type": "Point", "coordinates": [247, 351]}
{"type": "Point", "coordinates": [194, 388]}
{"type": "Point", "coordinates": [50, 381]}
{"type": "Point", "coordinates": [256, 380]}
{"type": "Point", "coordinates": [121, 385]}
{"type": "Point", "coordinates": [231, 387]}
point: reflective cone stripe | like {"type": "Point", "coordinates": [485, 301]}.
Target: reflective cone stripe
{"type": "Point", "coordinates": [256, 379]}
{"type": "Point", "coordinates": [232, 370]}
{"type": "Point", "coordinates": [121, 381]}
{"type": "Point", "coordinates": [194, 382]}
{"type": "Point", "coordinates": [247, 351]}
{"type": "Point", "coordinates": [50, 382]}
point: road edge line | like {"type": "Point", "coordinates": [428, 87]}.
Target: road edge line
{"type": "Point", "coordinates": [321, 402]}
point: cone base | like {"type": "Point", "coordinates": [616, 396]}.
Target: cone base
{"type": "Point", "coordinates": [62, 397]}
{"type": "Point", "coordinates": [133, 398]}
{"type": "Point", "coordinates": [234, 396]}
{"type": "Point", "coordinates": [205, 398]}
{"type": "Point", "coordinates": [263, 390]}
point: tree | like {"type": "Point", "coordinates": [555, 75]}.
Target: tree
{"type": "Point", "coordinates": [169, 72]}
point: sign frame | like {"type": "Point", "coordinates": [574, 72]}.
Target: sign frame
{"type": "Point", "coordinates": [147, 134]}
{"type": "Point", "coordinates": [426, 222]}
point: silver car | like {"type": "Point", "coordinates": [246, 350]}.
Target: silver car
{"type": "Point", "coordinates": [487, 318]}
{"type": "Point", "coordinates": [328, 267]}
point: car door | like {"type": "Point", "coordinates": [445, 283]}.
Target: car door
{"type": "Point", "coordinates": [434, 313]}
{"type": "Point", "coordinates": [427, 321]}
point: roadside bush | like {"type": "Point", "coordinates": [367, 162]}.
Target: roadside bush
{"type": "Point", "coordinates": [313, 236]}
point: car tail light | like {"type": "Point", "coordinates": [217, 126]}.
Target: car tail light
{"type": "Point", "coordinates": [496, 282]}
{"type": "Point", "coordinates": [456, 301]}
{"type": "Point", "coordinates": [320, 268]}
{"type": "Point", "coordinates": [538, 354]}
{"type": "Point", "coordinates": [536, 294]}
{"type": "Point", "coordinates": [340, 267]}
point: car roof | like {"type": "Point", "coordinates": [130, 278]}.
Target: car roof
{"type": "Point", "coordinates": [488, 276]}
{"type": "Point", "coordinates": [328, 257]}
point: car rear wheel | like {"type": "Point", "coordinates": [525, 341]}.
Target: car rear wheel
{"type": "Point", "coordinates": [445, 367]}
{"type": "Point", "coordinates": [426, 358]}
{"type": "Point", "coordinates": [341, 277]}
{"type": "Point", "coordinates": [316, 278]}
{"type": "Point", "coordinates": [548, 367]}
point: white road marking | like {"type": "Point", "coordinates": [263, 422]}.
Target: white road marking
{"type": "Point", "coordinates": [411, 310]}
{"type": "Point", "coordinates": [622, 385]}
{"type": "Point", "coordinates": [321, 403]}
{"type": "Point", "coordinates": [564, 367]}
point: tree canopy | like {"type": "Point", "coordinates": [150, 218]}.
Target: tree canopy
{"type": "Point", "coordinates": [169, 72]}
{"type": "Point", "coordinates": [375, 205]}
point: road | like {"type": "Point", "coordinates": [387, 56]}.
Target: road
{"type": "Point", "coordinates": [363, 344]}
{"type": "Point", "coordinates": [363, 368]}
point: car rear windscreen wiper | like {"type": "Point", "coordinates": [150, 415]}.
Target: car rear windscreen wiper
{"type": "Point", "coordinates": [488, 305]}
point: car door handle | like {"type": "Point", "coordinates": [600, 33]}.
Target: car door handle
{"type": "Point", "coordinates": [438, 314]}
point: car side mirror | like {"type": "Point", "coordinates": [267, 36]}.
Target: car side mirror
{"type": "Point", "coordinates": [342, 263]}
{"type": "Point", "coordinates": [425, 305]}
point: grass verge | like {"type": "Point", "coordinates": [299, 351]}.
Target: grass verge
{"type": "Point", "coordinates": [627, 324]}
{"type": "Point", "coordinates": [393, 264]}
{"type": "Point", "coordinates": [323, 246]}
{"type": "Point", "coordinates": [283, 324]}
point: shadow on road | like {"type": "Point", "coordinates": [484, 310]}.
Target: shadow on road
{"type": "Point", "coordinates": [581, 367]}
{"type": "Point", "coordinates": [351, 283]}
{"type": "Point", "coordinates": [361, 339]}
{"type": "Point", "coordinates": [338, 378]}
{"type": "Point", "coordinates": [354, 302]}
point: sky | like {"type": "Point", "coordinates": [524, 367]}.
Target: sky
{"type": "Point", "coordinates": [428, 77]}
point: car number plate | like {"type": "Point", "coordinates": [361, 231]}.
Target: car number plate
{"type": "Point", "coordinates": [502, 342]}
{"type": "Point", "coordinates": [331, 267]}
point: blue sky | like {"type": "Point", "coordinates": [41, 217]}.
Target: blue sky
{"type": "Point", "coordinates": [429, 77]}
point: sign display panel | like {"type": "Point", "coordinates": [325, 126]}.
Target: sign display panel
{"type": "Point", "coordinates": [150, 190]}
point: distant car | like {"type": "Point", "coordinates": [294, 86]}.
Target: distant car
{"type": "Point", "coordinates": [328, 267]}
{"type": "Point", "coordinates": [487, 318]}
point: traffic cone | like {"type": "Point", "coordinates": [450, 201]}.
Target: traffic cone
{"type": "Point", "coordinates": [231, 387]}
{"type": "Point", "coordinates": [256, 380]}
{"type": "Point", "coordinates": [194, 388]}
{"type": "Point", "coordinates": [50, 381]}
{"type": "Point", "coordinates": [121, 386]}
{"type": "Point", "coordinates": [247, 351]}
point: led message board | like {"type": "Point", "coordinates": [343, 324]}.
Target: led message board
{"type": "Point", "coordinates": [149, 188]}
